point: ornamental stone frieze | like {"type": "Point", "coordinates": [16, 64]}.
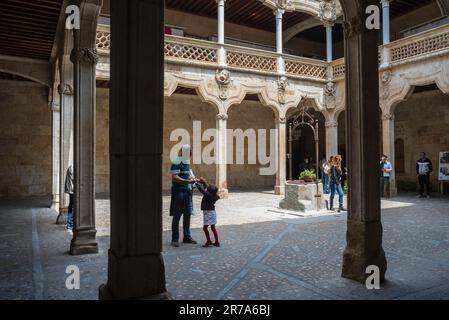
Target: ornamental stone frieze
{"type": "Point", "coordinates": [330, 95]}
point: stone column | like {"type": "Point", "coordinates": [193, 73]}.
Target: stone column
{"type": "Point", "coordinates": [279, 12]}
{"type": "Point", "coordinates": [65, 90]}
{"type": "Point", "coordinates": [331, 138]}
{"type": "Point", "coordinates": [221, 158]}
{"type": "Point", "coordinates": [388, 147]}
{"type": "Point", "coordinates": [364, 228]}
{"type": "Point", "coordinates": [282, 156]}
{"type": "Point", "coordinates": [56, 118]}
{"type": "Point", "coordinates": [329, 42]}
{"type": "Point", "coordinates": [84, 58]}
{"type": "Point", "coordinates": [135, 264]}
{"type": "Point", "coordinates": [385, 31]}
{"type": "Point", "coordinates": [221, 32]}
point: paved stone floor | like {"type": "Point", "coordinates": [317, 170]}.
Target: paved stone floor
{"type": "Point", "coordinates": [265, 254]}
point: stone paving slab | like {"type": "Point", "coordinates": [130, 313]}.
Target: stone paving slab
{"type": "Point", "coordinates": [264, 254]}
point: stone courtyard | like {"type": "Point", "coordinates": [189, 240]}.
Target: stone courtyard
{"type": "Point", "coordinates": [265, 253]}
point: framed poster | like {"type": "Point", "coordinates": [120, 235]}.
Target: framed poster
{"type": "Point", "coordinates": [443, 171]}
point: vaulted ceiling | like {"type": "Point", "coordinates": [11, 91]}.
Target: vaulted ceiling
{"type": "Point", "coordinates": [28, 27]}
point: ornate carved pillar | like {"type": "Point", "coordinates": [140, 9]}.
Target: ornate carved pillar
{"type": "Point", "coordinates": [221, 158]}
{"type": "Point", "coordinates": [84, 57]}
{"type": "Point", "coordinates": [331, 138]}
{"type": "Point", "coordinates": [135, 264]}
{"type": "Point", "coordinates": [364, 228]}
{"type": "Point", "coordinates": [65, 90]}
{"type": "Point", "coordinates": [281, 172]}
{"type": "Point", "coordinates": [388, 147]}
{"type": "Point", "coordinates": [328, 14]}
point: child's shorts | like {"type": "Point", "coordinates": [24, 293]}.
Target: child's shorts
{"type": "Point", "coordinates": [209, 217]}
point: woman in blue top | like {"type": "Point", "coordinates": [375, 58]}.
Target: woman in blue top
{"type": "Point", "coordinates": [336, 173]}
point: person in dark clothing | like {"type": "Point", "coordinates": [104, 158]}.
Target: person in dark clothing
{"type": "Point", "coordinates": [424, 168]}
{"type": "Point", "coordinates": [306, 165]}
{"type": "Point", "coordinates": [210, 196]}
{"type": "Point", "coordinates": [336, 173]}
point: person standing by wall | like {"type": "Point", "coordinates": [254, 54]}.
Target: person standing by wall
{"type": "Point", "coordinates": [385, 172]}
{"type": "Point", "coordinates": [424, 168]}
{"type": "Point", "coordinates": [326, 168]}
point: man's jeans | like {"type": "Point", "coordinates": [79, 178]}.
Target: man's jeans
{"type": "Point", "coordinates": [70, 212]}
{"type": "Point", "coordinates": [385, 187]}
{"type": "Point", "coordinates": [181, 205]}
{"type": "Point", "coordinates": [336, 188]}
{"type": "Point", "coordinates": [327, 183]}
{"type": "Point", "coordinates": [185, 227]}
{"type": "Point", "coordinates": [424, 182]}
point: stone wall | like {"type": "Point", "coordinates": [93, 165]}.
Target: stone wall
{"type": "Point", "coordinates": [25, 140]}
{"type": "Point", "coordinates": [422, 122]}
{"type": "Point", "coordinates": [250, 115]}
{"type": "Point", "coordinates": [102, 142]}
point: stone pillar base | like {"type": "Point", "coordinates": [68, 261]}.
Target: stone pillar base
{"type": "Point", "coordinates": [279, 190]}
{"type": "Point", "coordinates": [54, 204]}
{"type": "Point", "coordinates": [62, 216]}
{"type": "Point", "coordinates": [137, 277]}
{"type": "Point", "coordinates": [84, 242]}
{"type": "Point", "coordinates": [223, 193]}
{"type": "Point", "coordinates": [363, 248]}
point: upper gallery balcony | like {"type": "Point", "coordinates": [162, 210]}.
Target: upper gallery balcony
{"type": "Point", "coordinates": [206, 54]}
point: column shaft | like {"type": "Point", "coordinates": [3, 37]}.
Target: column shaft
{"type": "Point", "coordinates": [329, 43]}
{"type": "Point", "coordinates": [84, 58]}
{"type": "Point", "coordinates": [331, 138]}
{"type": "Point", "coordinates": [386, 30]}
{"type": "Point", "coordinates": [221, 32]}
{"type": "Point", "coordinates": [279, 48]}
{"type": "Point", "coordinates": [56, 118]}
{"type": "Point", "coordinates": [135, 264]}
{"type": "Point", "coordinates": [281, 172]}
{"type": "Point", "coordinates": [221, 159]}
{"type": "Point", "coordinates": [388, 148]}
{"type": "Point", "coordinates": [364, 228]}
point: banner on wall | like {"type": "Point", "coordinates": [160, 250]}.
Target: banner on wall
{"type": "Point", "coordinates": [443, 172]}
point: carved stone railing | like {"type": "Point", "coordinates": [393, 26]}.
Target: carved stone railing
{"type": "Point", "coordinates": [418, 45]}
{"type": "Point", "coordinates": [305, 68]}
{"type": "Point", "coordinates": [338, 68]}
{"type": "Point", "coordinates": [256, 60]}
{"type": "Point", "coordinates": [191, 51]}
{"type": "Point", "coordinates": [188, 51]}
{"type": "Point", "coordinates": [423, 45]}
{"type": "Point", "coordinates": [103, 40]}
{"type": "Point", "coordinates": [182, 50]}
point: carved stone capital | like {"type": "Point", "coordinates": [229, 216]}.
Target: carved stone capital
{"type": "Point", "coordinates": [327, 12]}
{"type": "Point", "coordinates": [388, 117]}
{"type": "Point", "coordinates": [66, 89]}
{"type": "Point", "coordinates": [353, 26]}
{"type": "Point", "coordinates": [222, 116]}
{"type": "Point", "coordinates": [331, 124]}
{"type": "Point", "coordinates": [54, 106]}
{"type": "Point", "coordinates": [86, 55]}
{"type": "Point", "coordinates": [282, 4]}
{"type": "Point", "coordinates": [282, 119]}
